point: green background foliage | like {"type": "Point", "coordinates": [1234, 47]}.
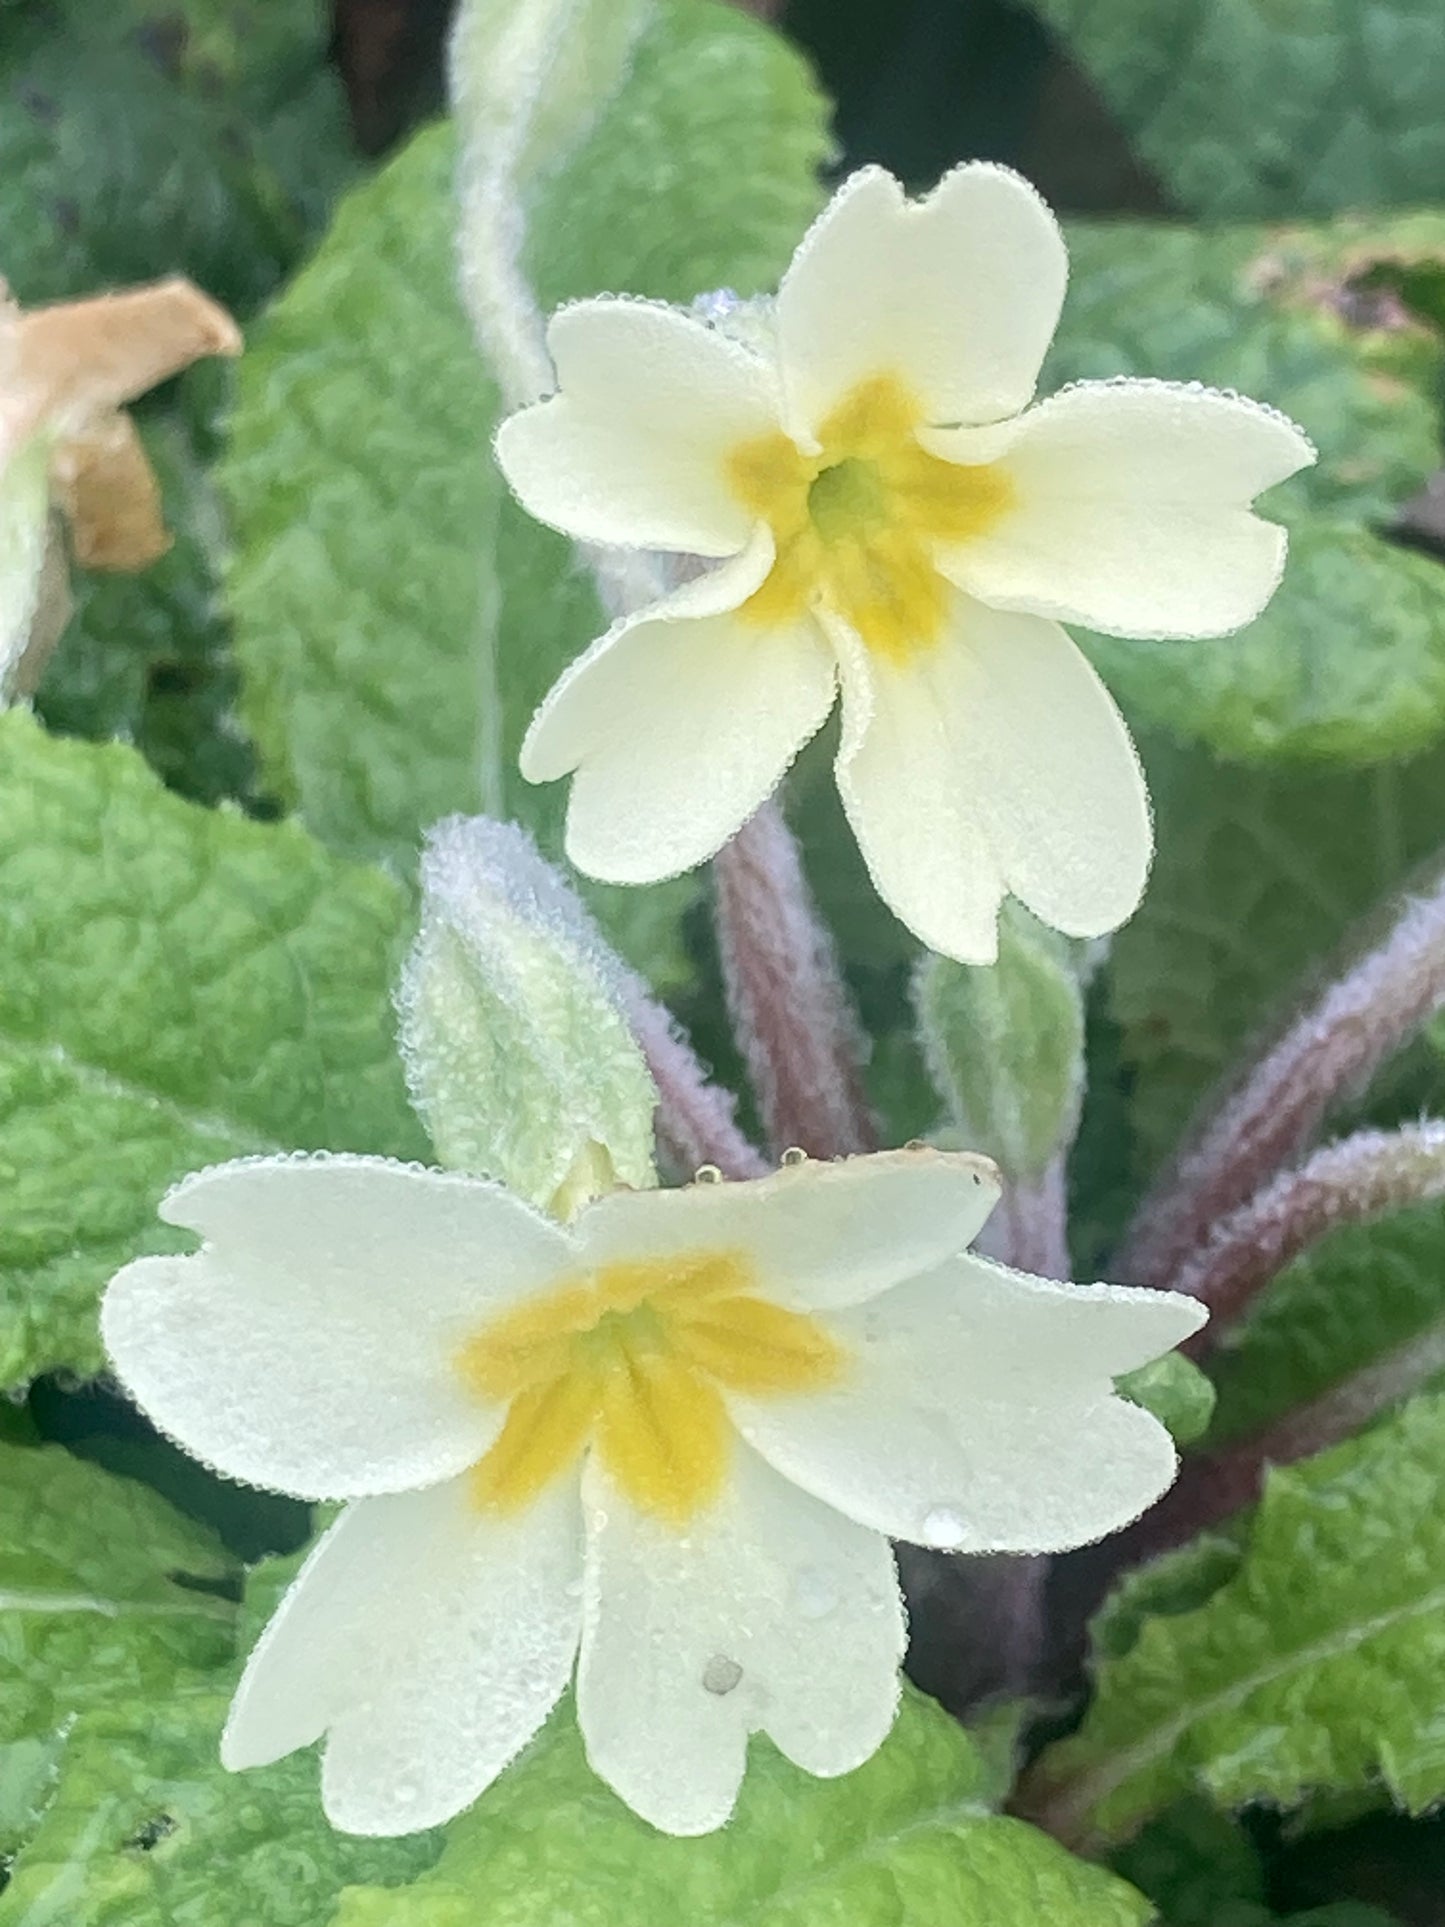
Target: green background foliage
{"type": "Point", "coordinates": [351, 632]}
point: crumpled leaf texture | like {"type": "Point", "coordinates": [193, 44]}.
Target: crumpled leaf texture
{"type": "Point", "coordinates": [906, 1841]}
{"type": "Point", "coordinates": [1245, 107]}
{"type": "Point", "coordinates": [1317, 1665]}
{"type": "Point", "coordinates": [177, 986]}
{"type": "Point", "coordinates": [95, 1608]}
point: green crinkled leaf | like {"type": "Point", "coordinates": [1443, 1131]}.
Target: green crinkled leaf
{"type": "Point", "coordinates": [147, 657]}
{"type": "Point", "coordinates": [144, 1827]}
{"type": "Point", "coordinates": [397, 616]}
{"type": "Point", "coordinates": [1317, 1665]}
{"type": "Point", "coordinates": [142, 1824]}
{"type": "Point", "coordinates": [1202, 1870]}
{"type": "Point", "coordinates": [145, 138]}
{"type": "Point", "coordinates": [177, 986]}
{"type": "Point", "coordinates": [1176, 1392]}
{"type": "Point", "coordinates": [1258, 876]}
{"type": "Point", "coordinates": [1347, 664]}
{"type": "Point", "coordinates": [906, 1841]}
{"type": "Point", "coordinates": [1005, 1044]}
{"type": "Point", "coordinates": [100, 1602]}
{"type": "Point", "coordinates": [1366, 1291]}
{"type": "Point", "coordinates": [1246, 107]}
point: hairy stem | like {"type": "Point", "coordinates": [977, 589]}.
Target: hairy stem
{"type": "Point", "coordinates": [1334, 1048]}
{"type": "Point", "coordinates": [498, 297]}
{"type": "Point", "coordinates": [793, 1018]}
{"type": "Point", "coordinates": [1028, 1227]}
{"type": "Point", "coordinates": [1360, 1177]}
{"type": "Point", "coordinates": [498, 89]}
{"type": "Point", "coordinates": [695, 1123]}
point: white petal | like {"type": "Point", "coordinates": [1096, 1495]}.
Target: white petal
{"type": "Point", "coordinates": [993, 761]}
{"type": "Point", "coordinates": [980, 1413]}
{"type": "Point", "coordinates": [770, 1614]}
{"type": "Point", "coordinates": [310, 1344]}
{"type": "Point", "coordinates": [977, 1327]}
{"type": "Point", "coordinates": [428, 1640]}
{"type": "Point", "coordinates": [820, 1235]}
{"type": "Point", "coordinates": [631, 450]}
{"type": "Point", "coordinates": [908, 798]}
{"type": "Point", "coordinates": [957, 294]}
{"type": "Point", "coordinates": [1131, 510]}
{"type": "Point", "coordinates": [679, 723]}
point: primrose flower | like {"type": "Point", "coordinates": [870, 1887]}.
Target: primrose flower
{"type": "Point", "coordinates": [898, 525]}
{"type": "Point", "coordinates": [65, 373]}
{"type": "Point", "coordinates": [663, 1443]}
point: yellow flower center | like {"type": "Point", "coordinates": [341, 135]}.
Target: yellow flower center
{"type": "Point", "coordinates": [632, 1359]}
{"type": "Point", "coordinates": [857, 526]}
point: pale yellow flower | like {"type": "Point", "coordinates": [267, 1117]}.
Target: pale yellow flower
{"type": "Point", "coordinates": [893, 523]}
{"type": "Point", "coordinates": [665, 1445]}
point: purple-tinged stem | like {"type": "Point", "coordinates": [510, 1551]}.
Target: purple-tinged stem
{"type": "Point", "coordinates": [1334, 1048]}
{"type": "Point", "coordinates": [1028, 1227]}
{"type": "Point", "coordinates": [794, 1022]}
{"type": "Point", "coordinates": [1358, 1178]}
{"type": "Point", "coordinates": [695, 1123]}
{"type": "Point", "coordinates": [1214, 1485]}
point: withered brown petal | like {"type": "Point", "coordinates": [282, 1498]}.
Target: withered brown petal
{"type": "Point", "coordinates": [107, 490]}
{"type": "Point", "coordinates": [76, 358]}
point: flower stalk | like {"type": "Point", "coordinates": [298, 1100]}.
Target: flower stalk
{"type": "Point", "coordinates": [695, 1122]}
{"type": "Point", "coordinates": [790, 1010]}
{"type": "Point", "coordinates": [1029, 1228]}
{"type": "Point", "coordinates": [1331, 1050]}
{"type": "Point", "coordinates": [1361, 1177]}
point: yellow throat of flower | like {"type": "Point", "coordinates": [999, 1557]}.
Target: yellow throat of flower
{"type": "Point", "coordinates": [633, 1360]}
{"type": "Point", "coordinates": [857, 525]}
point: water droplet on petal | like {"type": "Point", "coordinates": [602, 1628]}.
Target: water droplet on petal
{"type": "Point", "coordinates": [814, 1593]}
{"type": "Point", "coordinates": [716, 304]}
{"type": "Point", "coordinates": [721, 1675]}
{"type": "Point", "coordinates": [944, 1526]}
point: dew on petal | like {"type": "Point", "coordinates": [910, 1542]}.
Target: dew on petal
{"type": "Point", "coordinates": [944, 1526]}
{"type": "Point", "coordinates": [716, 304]}
{"type": "Point", "coordinates": [815, 1594]}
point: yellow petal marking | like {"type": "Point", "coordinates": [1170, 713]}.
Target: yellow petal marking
{"type": "Point", "coordinates": [632, 1359]}
{"type": "Point", "coordinates": [858, 525]}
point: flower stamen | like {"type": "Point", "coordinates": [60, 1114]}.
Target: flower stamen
{"type": "Point", "coordinates": [858, 525]}
{"type": "Point", "coordinates": [633, 1358]}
